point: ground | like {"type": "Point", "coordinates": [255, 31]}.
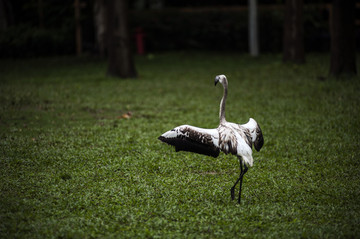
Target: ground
{"type": "Point", "coordinates": [75, 164]}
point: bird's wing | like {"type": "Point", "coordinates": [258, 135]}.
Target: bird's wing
{"type": "Point", "coordinates": [193, 139]}
{"type": "Point", "coordinates": [255, 132]}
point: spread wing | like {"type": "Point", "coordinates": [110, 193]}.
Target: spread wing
{"type": "Point", "coordinates": [193, 139]}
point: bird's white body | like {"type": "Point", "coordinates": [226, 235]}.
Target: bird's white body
{"type": "Point", "coordinates": [228, 137]}
{"type": "Point", "coordinates": [238, 137]}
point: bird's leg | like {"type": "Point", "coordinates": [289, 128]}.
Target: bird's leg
{"type": "Point", "coordinates": [241, 179]}
{"type": "Point", "coordinates": [233, 187]}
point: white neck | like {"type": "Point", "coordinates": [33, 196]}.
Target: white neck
{"type": "Point", "coordinates": [223, 102]}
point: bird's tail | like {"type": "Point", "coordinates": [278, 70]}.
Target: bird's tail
{"type": "Point", "coordinates": [256, 133]}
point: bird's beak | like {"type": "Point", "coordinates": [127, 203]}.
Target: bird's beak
{"type": "Point", "coordinates": [217, 78]}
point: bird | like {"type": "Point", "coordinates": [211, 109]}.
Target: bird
{"type": "Point", "coordinates": [230, 138]}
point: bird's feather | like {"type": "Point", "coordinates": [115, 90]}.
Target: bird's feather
{"type": "Point", "coordinates": [193, 139]}
{"type": "Point", "coordinates": [255, 132]}
{"type": "Point", "coordinates": [259, 142]}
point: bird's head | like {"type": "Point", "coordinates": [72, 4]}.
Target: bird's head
{"type": "Point", "coordinates": [220, 78]}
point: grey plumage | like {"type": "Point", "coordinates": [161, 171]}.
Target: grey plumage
{"type": "Point", "coordinates": [188, 139]}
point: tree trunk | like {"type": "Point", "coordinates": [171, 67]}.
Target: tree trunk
{"type": "Point", "coordinates": [293, 38]}
{"type": "Point", "coordinates": [120, 59]}
{"type": "Point", "coordinates": [100, 26]}
{"type": "Point", "coordinates": [6, 14]}
{"type": "Point", "coordinates": [253, 28]}
{"type": "Point", "coordinates": [343, 49]}
{"type": "Point", "coordinates": [78, 39]}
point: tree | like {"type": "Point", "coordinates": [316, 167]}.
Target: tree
{"type": "Point", "coordinates": [293, 38]}
{"type": "Point", "coordinates": [343, 49]}
{"type": "Point", "coordinates": [78, 38]}
{"type": "Point", "coordinates": [100, 26]}
{"type": "Point", "coordinates": [253, 28]}
{"type": "Point", "coordinates": [120, 59]}
{"type": "Point", "coordinates": [6, 14]}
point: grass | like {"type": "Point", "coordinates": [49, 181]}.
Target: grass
{"type": "Point", "coordinates": [72, 167]}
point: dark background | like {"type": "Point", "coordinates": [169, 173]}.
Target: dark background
{"type": "Point", "coordinates": [178, 25]}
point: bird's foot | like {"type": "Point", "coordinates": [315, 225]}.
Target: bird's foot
{"type": "Point", "coordinates": [232, 193]}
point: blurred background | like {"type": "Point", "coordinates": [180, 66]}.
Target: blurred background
{"type": "Point", "coordinates": [31, 28]}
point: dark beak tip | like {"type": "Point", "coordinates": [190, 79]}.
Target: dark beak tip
{"type": "Point", "coordinates": [216, 80]}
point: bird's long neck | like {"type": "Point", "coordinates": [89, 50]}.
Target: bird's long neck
{"type": "Point", "coordinates": [222, 103]}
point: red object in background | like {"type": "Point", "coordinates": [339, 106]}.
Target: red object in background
{"type": "Point", "coordinates": [139, 36]}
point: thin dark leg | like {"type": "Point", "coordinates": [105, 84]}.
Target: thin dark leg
{"type": "Point", "coordinates": [233, 187]}
{"type": "Point", "coordinates": [241, 179]}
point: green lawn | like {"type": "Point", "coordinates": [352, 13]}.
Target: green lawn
{"type": "Point", "coordinates": [72, 167]}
